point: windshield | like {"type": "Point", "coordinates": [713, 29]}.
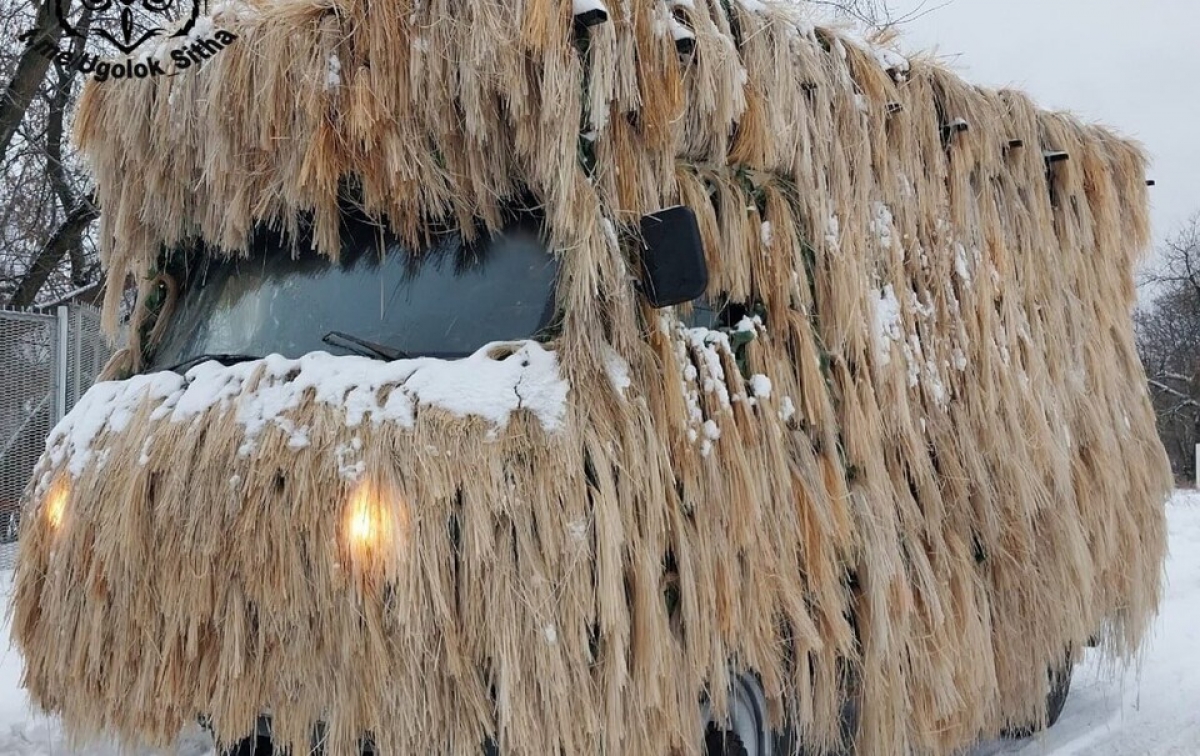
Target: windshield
{"type": "Point", "coordinates": [445, 301]}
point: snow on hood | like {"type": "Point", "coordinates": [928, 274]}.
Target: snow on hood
{"type": "Point", "coordinates": [492, 383]}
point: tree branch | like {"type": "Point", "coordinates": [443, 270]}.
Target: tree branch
{"type": "Point", "coordinates": [1185, 400]}
{"type": "Point", "coordinates": [30, 73]}
{"type": "Point", "coordinates": [67, 236]}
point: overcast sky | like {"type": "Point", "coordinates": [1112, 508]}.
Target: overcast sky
{"type": "Point", "coordinates": [1131, 64]}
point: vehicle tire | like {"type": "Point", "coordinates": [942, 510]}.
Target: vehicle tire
{"type": "Point", "coordinates": [1056, 700]}
{"type": "Point", "coordinates": [252, 746]}
{"type": "Point", "coordinates": [719, 742]}
{"type": "Point", "coordinates": [787, 742]}
{"type": "Point", "coordinates": [1060, 688]}
{"type": "Point", "coordinates": [261, 745]}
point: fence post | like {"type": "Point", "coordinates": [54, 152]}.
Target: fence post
{"type": "Point", "coordinates": [61, 347]}
{"type": "Point", "coordinates": [76, 376]}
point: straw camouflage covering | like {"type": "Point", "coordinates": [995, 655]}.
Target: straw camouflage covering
{"type": "Point", "coordinates": [924, 470]}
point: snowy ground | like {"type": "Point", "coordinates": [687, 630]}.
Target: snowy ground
{"type": "Point", "coordinates": [1151, 710]}
{"type": "Point", "coordinates": [1154, 708]}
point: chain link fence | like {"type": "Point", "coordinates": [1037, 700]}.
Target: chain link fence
{"type": "Point", "coordinates": [48, 360]}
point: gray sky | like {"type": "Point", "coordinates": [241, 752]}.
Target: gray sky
{"type": "Point", "coordinates": [1131, 64]}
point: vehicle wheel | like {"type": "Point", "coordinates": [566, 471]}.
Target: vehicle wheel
{"type": "Point", "coordinates": [252, 746]}
{"type": "Point", "coordinates": [1056, 699]}
{"type": "Point", "coordinates": [787, 742]}
{"type": "Point", "coordinates": [1060, 688]}
{"type": "Point", "coordinates": [719, 742]}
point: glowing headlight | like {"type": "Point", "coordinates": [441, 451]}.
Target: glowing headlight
{"type": "Point", "coordinates": [54, 508]}
{"type": "Point", "coordinates": [373, 524]}
{"type": "Point", "coordinates": [364, 518]}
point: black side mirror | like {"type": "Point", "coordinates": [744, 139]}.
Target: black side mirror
{"type": "Point", "coordinates": [674, 270]}
{"type": "Point", "coordinates": [589, 13]}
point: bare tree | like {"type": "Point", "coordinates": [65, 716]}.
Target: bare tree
{"type": "Point", "coordinates": [1168, 333]}
{"type": "Point", "coordinates": [46, 213]}
{"type": "Point", "coordinates": [878, 15]}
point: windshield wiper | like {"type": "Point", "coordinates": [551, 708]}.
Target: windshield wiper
{"type": "Point", "coordinates": [224, 359]}
{"type": "Point", "coordinates": [363, 347]}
